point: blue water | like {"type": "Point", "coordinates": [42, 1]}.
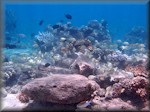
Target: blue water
{"type": "Point", "coordinates": [121, 17]}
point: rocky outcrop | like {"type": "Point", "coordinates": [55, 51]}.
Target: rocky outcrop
{"type": "Point", "coordinates": [83, 68]}
{"type": "Point", "coordinates": [59, 88]}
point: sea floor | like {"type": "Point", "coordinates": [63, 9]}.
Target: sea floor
{"type": "Point", "coordinates": [20, 72]}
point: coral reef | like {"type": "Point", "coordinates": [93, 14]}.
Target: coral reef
{"type": "Point", "coordinates": [94, 73]}
{"type": "Point", "coordinates": [137, 70]}
{"type": "Point", "coordinates": [45, 41]}
{"type": "Point", "coordinates": [113, 105]}
{"type": "Point", "coordinates": [117, 59]}
{"type": "Point", "coordinates": [136, 35]}
{"type": "Point", "coordinates": [133, 87]}
{"type": "Point", "coordinates": [10, 73]}
{"type": "Point", "coordinates": [133, 49]}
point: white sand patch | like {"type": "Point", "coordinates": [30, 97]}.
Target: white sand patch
{"type": "Point", "coordinates": [11, 102]}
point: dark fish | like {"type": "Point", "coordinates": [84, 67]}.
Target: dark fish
{"type": "Point", "coordinates": [68, 16]}
{"type": "Point", "coordinates": [10, 46]}
{"type": "Point", "coordinates": [104, 23]}
{"type": "Point", "coordinates": [55, 26]}
{"type": "Point", "coordinates": [41, 22]}
{"type": "Point", "coordinates": [47, 65]}
{"type": "Point", "coordinates": [6, 59]}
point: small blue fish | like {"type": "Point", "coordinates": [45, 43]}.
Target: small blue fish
{"type": "Point", "coordinates": [10, 46]}
{"type": "Point", "coordinates": [21, 35]}
{"type": "Point", "coordinates": [84, 104]}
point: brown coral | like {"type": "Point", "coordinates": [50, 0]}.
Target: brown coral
{"type": "Point", "coordinates": [85, 69]}
{"type": "Point", "coordinates": [23, 98]}
{"type": "Point", "coordinates": [90, 48]}
{"type": "Point", "coordinates": [137, 70]}
{"type": "Point", "coordinates": [133, 87]}
{"type": "Point", "coordinates": [139, 85]}
{"type": "Point", "coordinates": [138, 82]}
{"type": "Point", "coordinates": [83, 42]}
{"type": "Point", "coordinates": [141, 92]}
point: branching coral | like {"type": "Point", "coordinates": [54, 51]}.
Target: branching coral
{"type": "Point", "coordinates": [100, 31]}
{"type": "Point", "coordinates": [117, 59]}
{"type": "Point", "coordinates": [45, 41]}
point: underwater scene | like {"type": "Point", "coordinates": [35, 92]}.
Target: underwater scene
{"type": "Point", "coordinates": [75, 56]}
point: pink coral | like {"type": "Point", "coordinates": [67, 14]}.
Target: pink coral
{"type": "Point", "coordinates": [23, 98]}
{"type": "Point", "coordinates": [135, 86]}
{"type": "Point", "coordinates": [137, 70]}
